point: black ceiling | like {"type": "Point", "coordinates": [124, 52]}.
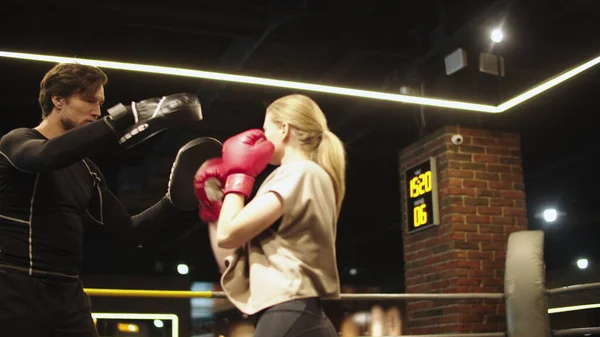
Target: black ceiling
{"type": "Point", "coordinates": [375, 45]}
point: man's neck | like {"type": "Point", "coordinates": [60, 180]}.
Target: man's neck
{"type": "Point", "coordinates": [50, 127]}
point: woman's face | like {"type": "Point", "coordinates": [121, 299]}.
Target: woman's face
{"type": "Point", "coordinates": [275, 133]}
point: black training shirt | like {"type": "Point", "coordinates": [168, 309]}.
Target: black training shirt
{"type": "Point", "coordinates": [49, 188]}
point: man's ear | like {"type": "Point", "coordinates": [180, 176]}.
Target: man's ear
{"type": "Point", "coordinates": [58, 101]}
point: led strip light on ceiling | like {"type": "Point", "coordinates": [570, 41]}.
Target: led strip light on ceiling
{"type": "Point", "coordinates": [442, 103]}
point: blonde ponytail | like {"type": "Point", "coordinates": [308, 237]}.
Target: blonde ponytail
{"type": "Point", "coordinates": [309, 127]}
{"type": "Point", "coordinates": [331, 156]}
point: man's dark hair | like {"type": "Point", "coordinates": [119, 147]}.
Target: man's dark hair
{"type": "Point", "coordinates": [66, 79]}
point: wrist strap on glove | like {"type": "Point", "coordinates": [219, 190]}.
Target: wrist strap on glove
{"type": "Point", "coordinates": [122, 117]}
{"type": "Point", "coordinates": [239, 183]}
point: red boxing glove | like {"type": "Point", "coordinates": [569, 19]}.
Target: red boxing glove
{"type": "Point", "coordinates": [208, 183]}
{"type": "Point", "coordinates": [245, 156]}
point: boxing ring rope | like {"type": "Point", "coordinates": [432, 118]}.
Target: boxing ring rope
{"type": "Point", "coordinates": [573, 288]}
{"type": "Point", "coordinates": [343, 297]}
{"type": "Point", "coordinates": [525, 294]}
{"type": "Point", "coordinates": [555, 333]}
{"type": "Point", "coordinates": [474, 334]}
{"type": "Point", "coordinates": [576, 332]}
{"type": "Point", "coordinates": [153, 293]}
{"type": "Point", "coordinates": [370, 297]}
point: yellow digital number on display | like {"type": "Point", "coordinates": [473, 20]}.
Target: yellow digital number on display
{"type": "Point", "coordinates": [421, 184]}
{"type": "Point", "coordinates": [420, 215]}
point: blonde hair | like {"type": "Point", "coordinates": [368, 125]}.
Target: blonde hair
{"type": "Point", "coordinates": [309, 125]}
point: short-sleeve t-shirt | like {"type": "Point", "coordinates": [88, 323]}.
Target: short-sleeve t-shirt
{"type": "Point", "coordinates": [297, 259]}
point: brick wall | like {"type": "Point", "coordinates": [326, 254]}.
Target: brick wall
{"type": "Point", "coordinates": [481, 200]}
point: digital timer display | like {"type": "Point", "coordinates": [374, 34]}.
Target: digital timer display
{"type": "Point", "coordinates": [421, 195]}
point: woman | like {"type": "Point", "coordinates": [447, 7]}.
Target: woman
{"type": "Point", "coordinates": [277, 252]}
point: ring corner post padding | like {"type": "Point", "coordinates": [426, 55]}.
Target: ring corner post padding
{"type": "Point", "coordinates": [524, 286]}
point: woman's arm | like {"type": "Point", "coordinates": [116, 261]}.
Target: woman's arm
{"type": "Point", "coordinates": [239, 224]}
{"type": "Point", "coordinates": [219, 253]}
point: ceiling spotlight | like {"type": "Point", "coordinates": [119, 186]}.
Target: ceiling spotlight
{"type": "Point", "coordinates": [497, 35]}
{"type": "Point", "coordinates": [582, 263]}
{"type": "Point", "coordinates": [550, 215]}
{"type": "Point", "coordinates": [183, 269]}
{"type": "Point", "coordinates": [158, 323]}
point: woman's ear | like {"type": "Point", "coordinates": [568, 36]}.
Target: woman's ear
{"type": "Point", "coordinates": [285, 130]}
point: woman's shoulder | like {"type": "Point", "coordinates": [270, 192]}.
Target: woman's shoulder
{"type": "Point", "coordinates": [297, 170]}
{"type": "Point", "coordinates": [301, 167]}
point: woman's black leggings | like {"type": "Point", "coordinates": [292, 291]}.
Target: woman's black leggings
{"type": "Point", "coordinates": [298, 318]}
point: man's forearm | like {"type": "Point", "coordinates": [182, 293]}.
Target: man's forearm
{"type": "Point", "coordinates": [161, 220]}
{"type": "Point", "coordinates": [161, 217]}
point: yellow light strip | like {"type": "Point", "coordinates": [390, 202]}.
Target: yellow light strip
{"type": "Point", "coordinates": [148, 293]}
{"type": "Point", "coordinates": [574, 308]}
{"type": "Point", "coordinates": [113, 315]}
{"type": "Point", "coordinates": [547, 85]}
{"type": "Point", "coordinates": [257, 80]}
{"type": "Point", "coordinates": [314, 87]}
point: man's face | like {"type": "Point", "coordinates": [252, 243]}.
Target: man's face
{"type": "Point", "coordinates": [80, 108]}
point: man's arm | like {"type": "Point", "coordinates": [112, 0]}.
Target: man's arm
{"type": "Point", "coordinates": [162, 219]}
{"type": "Point", "coordinates": [129, 126]}
{"type": "Point", "coordinates": [27, 152]}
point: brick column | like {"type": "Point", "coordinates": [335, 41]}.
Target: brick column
{"type": "Point", "coordinates": [481, 201]}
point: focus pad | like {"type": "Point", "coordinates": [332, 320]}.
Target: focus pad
{"type": "Point", "coordinates": [189, 159]}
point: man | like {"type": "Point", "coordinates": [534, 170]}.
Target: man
{"type": "Point", "coordinates": [49, 188]}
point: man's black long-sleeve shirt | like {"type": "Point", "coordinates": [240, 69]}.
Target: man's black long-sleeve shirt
{"type": "Point", "coordinates": [49, 188]}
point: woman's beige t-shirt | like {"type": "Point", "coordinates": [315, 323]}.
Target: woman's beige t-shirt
{"type": "Point", "coordinates": [299, 259]}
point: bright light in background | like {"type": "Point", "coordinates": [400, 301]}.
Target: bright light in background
{"type": "Point", "coordinates": [538, 89]}
{"type": "Point", "coordinates": [183, 269]}
{"type": "Point", "coordinates": [158, 323]}
{"type": "Point", "coordinates": [124, 327]}
{"type": "Point", "coordinates": [174, 319]}
{"type": "Point", "coordinates": [582, 263]}
{"type": "Point", "coordinates": [442, 103]}
{"type": "Point", "coordinates": [497, 35]}
{"type": "Point", "coordinates": [353, 271]}
{"type": "Point", "coordinates": [361, 318]}
{"type": "Point", "coordinates": [550, 215]}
